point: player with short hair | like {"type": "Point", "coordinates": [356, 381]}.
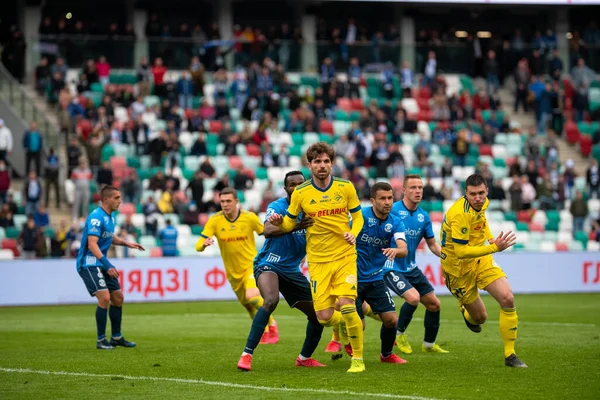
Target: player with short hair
{"type": "Point", "coordinates": [468, 264]}
{"type": "Point", "coordinates": [277, 269]}
{"type": "Point", "coordinates": [100, 276]}
{"type": "Point", "coordinates": [330, 243]}
{"type": "Point", "coordinates": [374, 247]}
{"type": "Point", "coordinates": [404, 276]}
{"type": "Point", "coordinates": [234, 229]}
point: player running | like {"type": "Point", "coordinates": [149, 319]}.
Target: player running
{"type": "Point", "coordinates": [330, 244]}
{"type": "Point", "coordinates": [374, 248]}
{"type": "Point", "coordinates": [404, 276]}
{"type": "Point", "coordinates": [234, 229]}
{"type": "Point", "coordinates": [101, 278]}
{"type": "Point", "coordinates": [468, 264]}
{"type": "Point", "coordinates": [277, 269]}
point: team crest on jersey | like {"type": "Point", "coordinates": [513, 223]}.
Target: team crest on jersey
{"type": "Point", "coordinates": [421, 218]}
{"type": "Point", "coordinates": [337, 196]}
{"type": "Point", "coordinates": [463, 230]}
{"type": "Point", "coordinates": [388, 227]}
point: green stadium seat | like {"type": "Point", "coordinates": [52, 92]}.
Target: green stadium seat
{"type": "Point", "coordinates": [510, 216]}
{"type": "Point", "coordinates": [522, 226]}
{"type": "Point", "coordinates": [552, 226]}
{"type": "Point", "coordinates": [197, 229]}
{"type": "Point", "coordinates": [12, 232]}
{"type": "Point", "coordinates": [261, 173]}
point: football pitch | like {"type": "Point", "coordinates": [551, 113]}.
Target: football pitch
{"type": "Point", "coordinates": [190, 350]}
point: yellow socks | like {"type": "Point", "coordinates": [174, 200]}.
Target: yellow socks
{"type": "Point", "coordinates": [333, 321]}
{"type": "Point", "coordinates": [354, 328]}
{"type": "Point", "coordinates": [508, 329]}
{"type": "Point", "coordinates": [335, 335]}
{"type": "Point", "coordinates": [253, 305]}
{"type": "Point", "coordinates": [369, 312]}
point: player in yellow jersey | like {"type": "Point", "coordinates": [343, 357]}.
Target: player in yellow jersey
{"type": "Point", "coordinates": [234, 229]}
{"type": "Point", "coordinates": [330, 244]}
{"type": "Point", "coordinates": [468, 264]}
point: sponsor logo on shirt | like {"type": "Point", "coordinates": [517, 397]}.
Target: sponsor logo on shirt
{"type": "Point", "coordinates": [273, 258]}
{"type": "Point", "coordinates": [374, 240]}
{"type": "Point", "coordinates": [236, 239]}
{"type": "Point", "coordinates": [313, 201]}
{"type": "Point", "coordinates": [106, 235]}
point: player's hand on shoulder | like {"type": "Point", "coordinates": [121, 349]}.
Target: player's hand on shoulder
{"type": "Point", "coordinates": [113, 273]}
{"type": "Point", "coordinates": [349, 237]}
{"type": "Point", "coordinates": [505, 240]}
{"type": "Point", "coordinates": [276, 219]}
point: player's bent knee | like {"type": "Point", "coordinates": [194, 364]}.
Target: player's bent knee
{"type": "Point", "coordinates": [270, 304]}
{"type": "Point", "coordinates": [507, 300]}
{"type": "Point", "coordinates": [389, 321]}
{"type": "Point", "coordinates": [325, 317]}
{"type": "Point", "coordinates": [103, 299]}
{"type": "Point", "coordinates": [433, 306]}
{"type": "Point", "coordinates": [480, 318]}
{"type": "Point", "coordinates": [412, 298]}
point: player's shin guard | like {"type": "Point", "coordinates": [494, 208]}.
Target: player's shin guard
{"type": "Point", "coordinates": [406, 313]}
{"type": "Point", "coordinates": [368, 311]}
{"type": "Point", "coordinates": [508, 329]}
{"type": "Point", "coordinates": [116, 314]}
{"type": "Point", "coordinates": [259, 323]}
{"type": "Point", "coordinates": [354, 328]}
{"type": "Point", "coordinates": [101, 322]}
{"type": "Point", "coordinates": [335, 319]}
{"type": "Point", "coordinates": [335, 333]}
{"type": "Point", "coordinates": [253, 305]}
{"type": "Point", "coordinates": [313, 336]}
{"type": "Point", "coordinates": [387, 336]}
{"type": "Point", "coordinates": [432, 326]}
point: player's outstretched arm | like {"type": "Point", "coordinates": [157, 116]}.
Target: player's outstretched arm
{"type": "Point", "coordinates": [434, 246]}
{"type": "Point", "coordinates": [203, 243]}
{"type": "Point", "coordinates": [400, 251]}
{"type": "Point", "coordinates": [117, 241]}
{"type": "Point", "coordinates": [284, 223]}
{"type": "Point", "coordinates": [106, 265]}
{"type": "Point", "coordinates": [272, 231]}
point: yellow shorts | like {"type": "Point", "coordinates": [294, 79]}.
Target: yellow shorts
{"type": "Point", "coordinates": [331, 280]}
{"type": "Point", "coordinates": [465, 287]}
{"type": "Point", "coordinates": [241, 286]}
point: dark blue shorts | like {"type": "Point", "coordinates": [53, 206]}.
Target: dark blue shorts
{"type": "Point", "coordinates": [96, 280]}
{"type": "Point", "coordinates": [378, 297]}
{"type": "Point", "coordinates": [400, 282]}
{"type": "Point", "coordinates": [293, 286]}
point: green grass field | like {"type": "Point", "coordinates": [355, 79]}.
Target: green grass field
{"type": "Point", "coordinates": [190, 350]}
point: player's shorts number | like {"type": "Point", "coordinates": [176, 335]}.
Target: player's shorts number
{"type": "Point", "coordinates": [314, 286]}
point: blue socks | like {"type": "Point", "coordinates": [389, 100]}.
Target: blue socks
{"type": "Point", "coordinates": [313, 336]}
{"type": "Point", "coordinates": [259, 323]}
{"type": "Point", "coordinates": [101, 322]}
{"type": "Point", "coordinates": [387, 336]}
{"type": "Point", "coordinates": [406, 314]}
{"type": "Point", "coordinates": [432, 326]}
{"type": "Point", "coordinates": [116, 314]}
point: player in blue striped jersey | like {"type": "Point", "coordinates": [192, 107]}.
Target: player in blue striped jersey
{"type": "Point", "coordinates": [277, 269]}
{"type": "Point", "coordinates": [405, 278]}
{"type": "Point", "coordinates": [99, 275]}
{"type": "Point", "coordinates": [381, 238]}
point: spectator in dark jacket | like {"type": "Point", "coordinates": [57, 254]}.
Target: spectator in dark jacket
{"type": "Point", "coordinates": [196, 185]}
{"type": "Point", "coordinates": [33, 145]}
{"type": "Point", "coordinates": [105, 175]}
{"type": "Point", "coordinates": [185, 90]}
{"type": "Point", "coordinates": [41, 217]}
{"type": "Point", "coordinates": [32, 193]}
{"type": "Point", "coordinates": [4, 181]}
{"type": "Point", "coordinates": [52, 170]}
{"type": "Point", "coordinates": [28, 239]}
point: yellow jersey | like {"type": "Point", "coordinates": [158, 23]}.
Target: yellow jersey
{"type": "Point", "coordinates": [330, 209]}
{"type": "Point", "coordinates": [463, 226]}
{"type": "Point", "coordinates": [236, 241]}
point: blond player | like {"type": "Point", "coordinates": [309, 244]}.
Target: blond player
{"type": "Point", "coordinates": [468, 265]}
{"type": "Point", "coordinates": [330, 244]}
{"type": "Point", "coordinates": [234, 229]}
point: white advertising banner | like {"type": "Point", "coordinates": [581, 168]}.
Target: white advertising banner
{"type": "Point", "coordinates": [184, 279]}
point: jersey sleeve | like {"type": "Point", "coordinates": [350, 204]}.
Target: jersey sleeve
{"type": "Point", "coordinates": [353, 201]}
{"type": "Point", "coordinates": [488, 232]}
{"type": "Point", "coordinates": [208, 231]}
{"type": "Point", "coordinates": [273, 208]}
{"type": "Point", "coordinates": [291, 215]}
{"type": "Point", "coordinates": [428, 229]}
{"type": "Point", "coordinates": [257, 225]}
{"type": "Point", "coordinates": [94, 226]}
{"type": "Point", "coordinates": [460, 226]}
{"type": "Point", "coordinates": [399, 231]}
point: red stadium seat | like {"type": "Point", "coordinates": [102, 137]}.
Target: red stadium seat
{"type": "Point", "coordinates": [202, 219]}
{"type": "Point", "coordinates": [562, 247]}
{"type": "Point", "coordinates": [326, 126]}
{"type": "Point", "coordinates": [189, 113]}
{"type": "Point", "coordinates": [585, 145]}
{"type": "Point", "coordinates": [344, 103]}
{"type": "Point", "coordinates": [535, 227]}
{"type": "Point", "coordinates": [156, 252]}
{"type": "Point", "coordinates": [249, 172]}
{"type": "Point", "coordinates": [357, 104]}
{"type": "Point", "coordinates": [524, 216]}
{"type": "Point", "coordinates": [423, 103]}
{"type": "Point", "coordinates": [235, 162]}
{"type": "Point", "coordinates": [436, 216]}
{"type": "Point", "coordinates": [11, 244]}
{"type": "Point", "coordinates": [253, 150]}
{"type": "Point", "coordinates": [214, 126]}
{"type": "Point", "coordinates": [425, 115]}
{"type": "Point", "coordinates": [424, 92]}
{"type": "Point", "coordinates": [396, 183]}
{"type": "Point", "coordinates": [485, 150]}
{"type": "Point", "coordinates": [572, 132]}
{"type": "Point", "coordinates": [127, 209]}
{"type": "Point", "coordinates": [118, 162]}
{"type": "Point", "coordinates": [568, 89]}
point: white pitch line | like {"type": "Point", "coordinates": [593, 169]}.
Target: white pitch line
{"type": "Point", "coordinates": [215, 383]}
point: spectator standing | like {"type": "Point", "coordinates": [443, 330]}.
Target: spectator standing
{"type": "Point", "coordinates": [28, 239]}
{"type": "Point", "coordinates": [430, 70]}
{"type": "Point", "coordinates": [521, 81]}
{"type": "Point", "coordinates": [81, 177]}
{"type": "Point", "coordinates": [32, 193]}
{"type": "Point", "coordinates": [51, 175]}
{"type": "Point", "coordinates": [6, 141]}
{"type": "Point", "coordinates": [185, 90]}
{"type": "Point", "coordinates": [73, 154]}
{"type": "Point", "coordinates": [150, 212]}
{"type": "Point", "coordinates": [354, 76]}
{"type": "Point", "coordinates": [42, 76]}
{"type": "Point", "coordinates": [144, 73]}
{"type": "Point", "coordinates": [104, 176]}
{"type": "Point", "coordinates": [579, 211]}
{"type": "Point", "coordinates": [33, 144]}
{"type": "Point", "coordinates": [158, 75]}
{"type": "Point", "coordinates": [196, 186]}
{"type": "Point", "coordinates": [555, 65]}
{"type": "Point", "coordinates": [4, 181]}
{"type": "Point", "coordinates": [130, 187]}
{"type": "Point", "coordinates": [528, 193]}
{"type": "Point", "coordinates": [515, 191]}
{"type": "Point", "coordinates": [103, 68]}
{"type": "Point", "coordinates": [168, 239]}
{"type": "Point", "coordinates": [593, 179]}
{"type": "Point", "coordinates": [407, 79]}
{"type": "Point", "coordinates": [491, 73]}
{"type": "Point", "coordinates": [41, 217]}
